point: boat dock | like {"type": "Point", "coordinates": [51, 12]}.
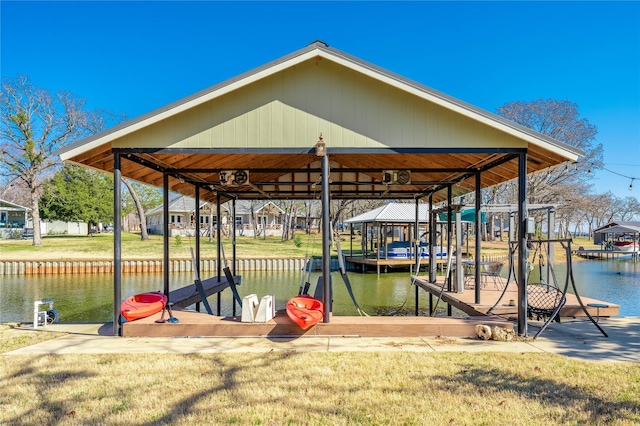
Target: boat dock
{"type": "Point", "coordinates": [363, 263]}
{"type": "Point", "coordinates": [490, 294]}
{"type": "Point", "coordinates": [606, 254]}
{"type": "Point", "coordinates": [198, 324]}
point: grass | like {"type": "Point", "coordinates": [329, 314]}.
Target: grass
{"type": "Point", "coordinates": [100, 247]}
{"type": "Point", "coordinates": [11, 339]}
{"type": "Point", "coordinates": [293, 388]}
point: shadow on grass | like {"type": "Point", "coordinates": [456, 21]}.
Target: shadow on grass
{"type": "Point", "coordinates": [548, 393]}
{"type": "Point", "coordinates": [44, 382]}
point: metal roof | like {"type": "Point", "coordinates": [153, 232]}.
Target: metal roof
{"type": "Point", "coordinates": [393, 213]}
{"type": "Point", "coordinates": [282, 172]}
{"type": "Point", "coordinates": [619, 228]}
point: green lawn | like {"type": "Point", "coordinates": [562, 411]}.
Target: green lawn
{"type": "Point", "coordinates": [100, 246]}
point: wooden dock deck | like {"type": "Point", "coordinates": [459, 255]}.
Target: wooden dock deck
{"type": "Point", "coordinates": [199, 324]}
{"type": "Point", "coordinates": [489, 296]}
{"type": "Point", "coordinates": [372, 262]}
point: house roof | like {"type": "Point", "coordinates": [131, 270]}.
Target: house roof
{"type": "Point", "coordinates": [266, 123]}
{"type": "Point", "coordinates": [184, 204]}
{"type": "Point", "coordinates": [243, 207]}
{"type": "Point", "coordinates": [180, 204]}
{"type": "Point", "coordinates": [14, 206]}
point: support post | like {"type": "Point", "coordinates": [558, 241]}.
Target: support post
{"type": "Point", "coordinates": [449, 245]}
{"type": "Point", "coordinates": [551, 223]}
{"type": "Point", "coordinates": [326, 240]}
{"type": "Point", "coordinates": [459, 270]}
{"type": "Point", "coordinates": [478, 277]}
{"type": "Point", "coordinates": [416, 237]}
{"type": "Point", "coordinates": [219, 247]}
{"type": "Point", "coordinates": [233, 241]}
{"type": "Point", "coordinates": [522, 246]}
{"type": "Point", "coordinates": [165, 232]}
{"type": "Point", "coordinates": [433, 264]}
{"type": "Point", "coordinates": [417, 230]}
{"type": "Point", "coordinates": [117, 244]}
{"type": "Point", "coordinates": [197, 231]}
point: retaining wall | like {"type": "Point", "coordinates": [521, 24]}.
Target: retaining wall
{"type": "Point", "coordinates": [51, 267]}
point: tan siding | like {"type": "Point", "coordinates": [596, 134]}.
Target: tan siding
{"type": "Point", "coordinates": [291, 108]}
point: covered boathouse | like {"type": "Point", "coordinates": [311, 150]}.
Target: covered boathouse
{"type": "Point", "coordinates": [320, 122]}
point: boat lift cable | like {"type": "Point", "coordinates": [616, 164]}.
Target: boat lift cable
{"type": "Point", "coordinates": [345, 278]}
{"type": "Point", "coordinates": [308, 259]}
{"type": "Point", "coordinates": [444, 284]}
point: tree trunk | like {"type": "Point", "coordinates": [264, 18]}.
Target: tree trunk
{"type": "Point", "coordinates": [144, 236]}
{"type": "Point", "coordinates": [210, 222]}
{"type": "Point", "coordinates": [35, 216]}
{"type": "Point", "coordinates": [293, 222]}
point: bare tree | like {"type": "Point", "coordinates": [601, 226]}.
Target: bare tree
{"type": "Point", "coordinates": [34, 124]}
{"type": "Point", "coordinates": [560, 120]}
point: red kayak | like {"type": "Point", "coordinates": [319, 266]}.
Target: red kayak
{"type": "Point", "coordinates": [142, 305]}
{"type": "Point", "coordinates": [305, 311]}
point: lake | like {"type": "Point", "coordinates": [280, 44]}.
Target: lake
{"type": "Point", "coordinates": [89, 298]}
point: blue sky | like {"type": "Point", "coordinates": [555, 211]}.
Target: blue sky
{"type": "Point", "coordinates": [133, 57]}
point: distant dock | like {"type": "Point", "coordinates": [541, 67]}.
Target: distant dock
{"type": "Point", "coordinates": [605, 254]}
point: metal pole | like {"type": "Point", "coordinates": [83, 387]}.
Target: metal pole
{"type": "Point", "coordinates": [219, 245]}
{"type": "Point", "coordinates": [416, 237]}
{"type": "Point", "coordinates": [417, 241]}
{"type": "Point", "coordinates": [117, 245]}
{"type": "Point", "coordinates": [459, 270]}
{"type": "Point", "coordinates": [522, 246]}
{"type": "Point", "coordinates": [326, 240]}
{"type": "Point", "coordinates": [551, 215]}
{"type": "Point", "coordinates": [233, 241]}
{"type": "Point", "coordinates": [165, 231]}
{"type": "Point", "coordinates": [197, 231]}
{"type": "Point", "coordinates": [449, 245]}
{"type": "Point", "coordinates": [449, 231]}
{"type": "Point", "coordinates": [196, 261]}
{"type": "Point", "coordinates": [478, 240]}
{"type": "Point", "coordinates": [433, 264]}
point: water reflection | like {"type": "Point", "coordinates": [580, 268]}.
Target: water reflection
{"type": "Point", "coordinates": [89, 298]}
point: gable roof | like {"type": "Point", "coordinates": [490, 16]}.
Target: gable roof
{"type": "Point", "coordinates": [268, 120]}
{"type": "Point", "coordinates": [180, 204]}
{"type": "Point", "coordinates": [393, 213]}
{"type": "Point", "coordinates": [619, 227]}
{"type": "Point", "coordinates": [243, 207]}
{"type": "Point", "coordinates": [14, 206]}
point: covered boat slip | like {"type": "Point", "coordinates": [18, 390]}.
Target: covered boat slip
{"type": "Point", "coordinates": [319, 123]}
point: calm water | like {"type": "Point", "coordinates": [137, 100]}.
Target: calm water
{"type": "Point", "coordinates": [89, 298]}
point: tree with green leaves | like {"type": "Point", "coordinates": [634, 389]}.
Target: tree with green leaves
{"type": "Point", "coordinates": [34, 123]}
{"type": "Point", "coordinates": [78, 194]}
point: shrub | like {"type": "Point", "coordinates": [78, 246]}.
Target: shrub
{"type": "Point", "coordinates": [297, 240]}
{"type": "Point", "coordinates": [178, 240]}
